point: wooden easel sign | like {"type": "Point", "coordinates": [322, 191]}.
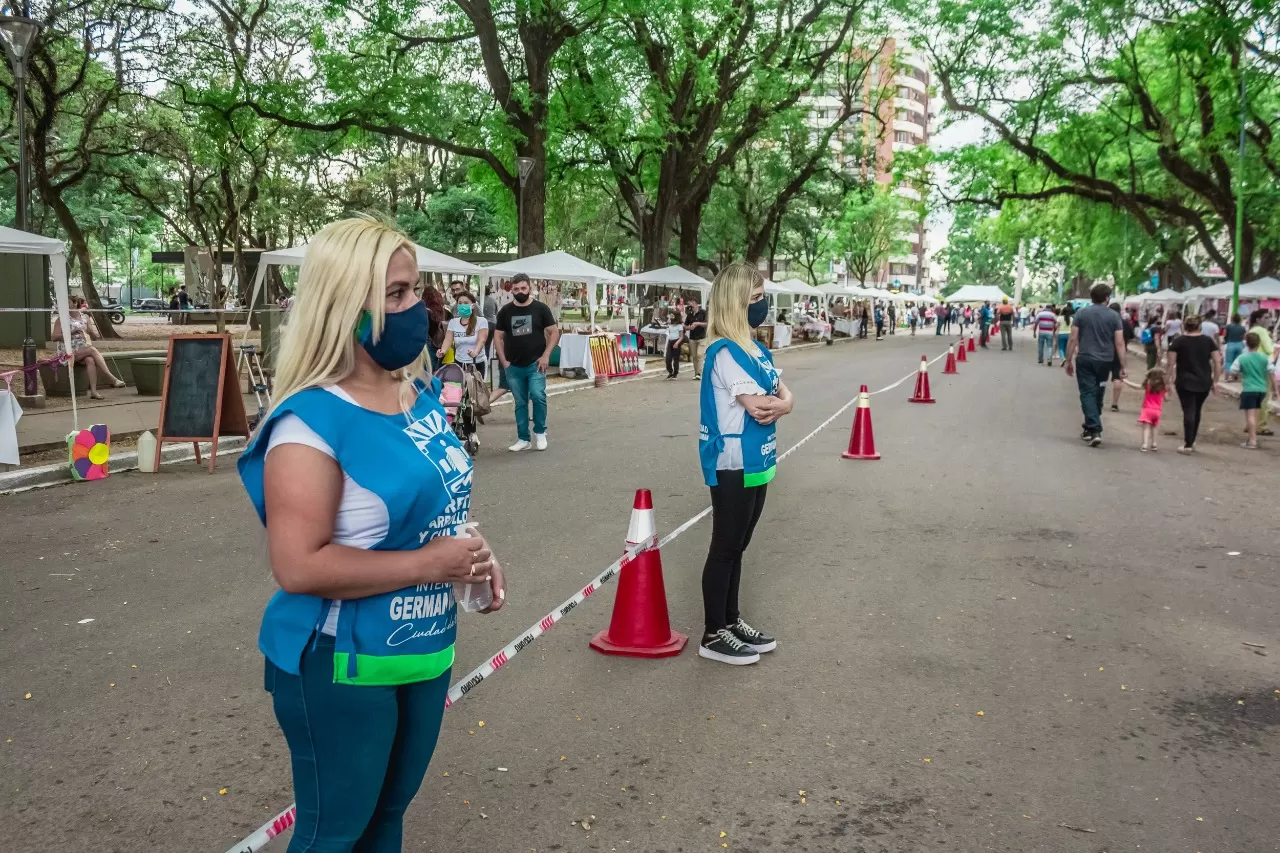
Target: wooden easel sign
{"type": "Point", "coordinates": [201, 398]}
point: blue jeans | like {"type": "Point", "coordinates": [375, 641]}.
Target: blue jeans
{"type": "Point", "coordinates": [1062, 344]}
{"type": "Point", "coordinates": [1232, 353]}
{"type": "Point", "coordinates": [359, 753]}
{"type": "Point", "coordinates": [1044, 341]}
{"type": "Point", "coordinates": [1091, 379]}
{"type": "Point", "coordinates": [528, 384]}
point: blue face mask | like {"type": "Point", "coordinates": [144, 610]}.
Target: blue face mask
{"type": "Point", "coordinates": [464, 311]}
{"type": "Point", "coordinates": [757, 312]}
{"type": "Point", "coordinates": [404, 337]}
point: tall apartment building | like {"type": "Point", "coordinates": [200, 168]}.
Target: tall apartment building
{"type": "Point", "coordinates": [898, 83]}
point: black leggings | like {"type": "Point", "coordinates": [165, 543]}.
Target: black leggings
{"type": "Point", "coordinates": [1192, 402]}
{"type": "Point", "coordinates": [735, 509]}
{"type": "Point", "coordinates": [673, 359]}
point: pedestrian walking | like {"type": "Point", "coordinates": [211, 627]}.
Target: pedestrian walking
{"type": "Point", "coordinates": [741, 401]}
{"type": "Point", "coordinates": [696, 332]}
{"type": "Point", "coordinates": [1266, 345]}
{"type": "Point", "coordinates": [675, 339]}
{"type": "Point", "coordinates": [1004, 315]}
{"type": "Point", "coordinates": [359, 639]}
{"type": "Point", "coordinates": [1233, 338]}
{"type": "Point", "coordinates": [526, 333]}
{"type": "Point", "coordinates": [1126, 330]}
{"type": "Point", "coordinates": [1096, 342]}
{"type": "Point", "coordinates": [1194, 363]}
{"type": "Point", "coordinates": [879, 321]}
{"type": "Point", "coordinates": [1172, 328]}
{"type": "Point", "coordinates": [1154, 392]}
{"type": "Point", "coordinates": [1046, 328]}
{"type": "Point", "coordinates": [1256, 380]}
{"type": "Point", "coordinates": [913, 316]}
{"type": "Point", "coordinates": [893, 317]}
{"type": "Point", "coordinates": [1209, 325]}
{"type": "Point", "coordinates": [1064, 330]}
{"type": "Point", "coordinates": [467, 334]}
{"type": "Point", "coordinates": [1151, 340]}
{"type": "Point", "coordinates": [984, 324]}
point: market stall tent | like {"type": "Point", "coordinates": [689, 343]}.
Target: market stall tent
{"type": "Point", "coordinates": [1263, 288]}
{"type": "Point", "coordinates": [557, 266]}
{"type": "Point", "coordinates": [13, 241]}
{"type": "Point", "coordinates": [673, 276]}
{"type": "Point", "coordinates": [977, 293]}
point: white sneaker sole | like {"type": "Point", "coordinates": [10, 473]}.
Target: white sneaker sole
{"type": "Point", "coordinates": [704, 652]}
{"type": "Point", "coordinates": [764, 648]}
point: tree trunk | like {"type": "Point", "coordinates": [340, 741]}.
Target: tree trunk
{"type": "Point", "coordinates": [690, 228]}
{"type": "Point", "coordinates": [80, 248]}
{"type": "Point", "coordinates": [532, 201]}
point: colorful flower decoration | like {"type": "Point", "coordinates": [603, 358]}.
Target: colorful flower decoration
{"type": "Point", "coordinates": [90, 448]}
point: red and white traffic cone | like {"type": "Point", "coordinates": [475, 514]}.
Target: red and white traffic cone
{"type": "Point", "coordinates": [641, 626]}
{"type": "Point", "coordinates": [960, 354]}
{"type": "Point", "coordinates": [922, 394]}
{"type": "Point", "coordinates": [971, 347]}
{"type": "Point", "coordinates": [862, 442]}
{"type": "Point", "coordinates": [950, 366]}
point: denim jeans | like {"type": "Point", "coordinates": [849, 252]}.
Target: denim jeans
{"type": "Point", "coordinates": [1091, 379]}
{"type": "Point", "coordinates": [528, 384]}
{"type": "Point", "coordinates": [1232, 353]}
{"type": "Point", "coordinates": [359, 753]}
{"type": "Point", "coordinates": [1062, 344]}
{"type": "Point", "coordinates": [1044, 340]}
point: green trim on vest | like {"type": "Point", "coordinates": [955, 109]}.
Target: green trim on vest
{"type": "Point", "coordinates": [392, 670]}
{"type": "Point", "coordinates": [759, 478]}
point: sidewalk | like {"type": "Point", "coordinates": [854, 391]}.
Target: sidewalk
{"type": "Point", "coordinates": [1229, 389]}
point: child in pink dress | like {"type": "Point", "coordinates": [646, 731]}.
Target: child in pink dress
{"type": "Point", "coordinates": [1155, 392]}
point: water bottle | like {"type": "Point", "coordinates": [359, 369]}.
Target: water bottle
{"type": "Point", "coordinates": [471, 597]}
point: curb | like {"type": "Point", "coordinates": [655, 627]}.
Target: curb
{"type": "Point", "coordinates": [59, 473]}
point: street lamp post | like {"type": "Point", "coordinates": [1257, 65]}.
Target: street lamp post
{"type": "Point", "coordinates": [1244, 117]}
{"type": "Point", "coordinates": [524, 165]}
{"type": "Point", "coordinates": [106, 252]}
{"type": "Point", "coordinates": [18, 32]}
{"type": "Point", "coordinates": [470, 214]}
{"type": "Point", "coordinates": [129, 249]}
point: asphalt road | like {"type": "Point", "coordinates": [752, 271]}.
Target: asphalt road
{"type": "Point", "coordinates": [990, 633]}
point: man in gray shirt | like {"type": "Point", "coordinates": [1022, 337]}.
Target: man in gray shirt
{"type": "Point", "coordinates": [1095, 348]}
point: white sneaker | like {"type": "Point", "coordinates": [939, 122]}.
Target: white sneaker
{"type": "Point", "coordinates": [539, 441]}
{"type": "Point", "coordinates": [519, 445]}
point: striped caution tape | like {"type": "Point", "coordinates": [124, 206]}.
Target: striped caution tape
{"type": "Point", "coordinates": [286, 818]}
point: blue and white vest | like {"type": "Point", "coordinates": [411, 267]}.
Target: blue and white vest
{"type": "Point", "coordinates": [420, 471]}
{"type": "Point", "coordinates": [759, 443]}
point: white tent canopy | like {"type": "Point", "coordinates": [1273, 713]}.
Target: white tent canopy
{"type": "Point", "coordinates": [977, 293]}
{"type": "Point", "coordinates": [673, 276]}
{"type": "Point", "coordinates": [557, 266]}
{"type": "Point", "coordinates": [801, 288]}
{"type": "Point", "coordinates": [1263, 288]}
{"type": "Point", "coordinates": [22, 243]}
{"type": "Point", "coordinates": [837, 289]}
{"type": "Point", "coordinates": [1166, 296]}
{"type": "Point", "coordinates": [1221, 290]}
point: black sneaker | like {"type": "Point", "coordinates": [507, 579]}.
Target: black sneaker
{"type": "Point", "coordinates": [723, 646]}
{"type": "Point", "coordinates": [1095, 440]}
{"type": "Point", "coordinates": [757, 641]}
{"type": "Point", "coordinates": [1086, 436]}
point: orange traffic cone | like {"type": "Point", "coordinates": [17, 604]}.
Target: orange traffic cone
{"type": "Point", "coordinates": [960, 355]}
{"type": "Point", "coordinates": [641, 626]}
{"type": "Point", "coordinates": [922, 394]}
{"type": "Point", "coordinates": [971, 347]}
{"type": "Point", "coordinates": [862, 443]}
{"type": "Point", "coordinates": [950, 366]}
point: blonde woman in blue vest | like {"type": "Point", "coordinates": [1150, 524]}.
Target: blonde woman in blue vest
{"type": "Point", "coordinates": [364, 491]}
{"type": "Point", "coordinates": [742, 399]}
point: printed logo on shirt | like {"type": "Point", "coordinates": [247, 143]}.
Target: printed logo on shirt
{"type": "Point", "coordinates": [522, 324]}
{"type": "Point", "coordinates": [432, 436]}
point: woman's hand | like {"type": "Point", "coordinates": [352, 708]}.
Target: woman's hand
{"type": "Point", "coordinates": [498, 583]}
{"type": "Point", "coordinates": [456, 559]}
{"type": "Point", "coordinates": [474, 353]}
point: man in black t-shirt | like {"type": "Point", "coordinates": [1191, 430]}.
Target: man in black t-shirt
{"type": "Point", "coordinates": [526, 333]}
{"type": "Point", "coordinates": [696, 327]}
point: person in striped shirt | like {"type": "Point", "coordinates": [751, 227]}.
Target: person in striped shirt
{"type": "Point", "coordinates": [1046, 324]}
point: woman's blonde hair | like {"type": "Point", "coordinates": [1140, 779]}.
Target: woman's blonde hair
{"type": "Point", "coordinates": [345, 270]}
{"type": "Point", "coordinates": [727, 304]}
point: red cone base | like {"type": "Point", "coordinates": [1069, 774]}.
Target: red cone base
{"type": "Point", "coordinates": [960, 356]}
{"type": "Point", "coordinates": [922, 394]}
{"type": "Point", "coordinates": [862, 443]}
{"type": "Point", "coordinates": [950, 366]}
{"type": "Point", "coordinates": [971, 347]}
{"type": "Point", "coordinates": [641, 626]}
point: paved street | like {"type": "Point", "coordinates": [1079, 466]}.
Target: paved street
{"type": "Point", "coordinates": [992, 633]}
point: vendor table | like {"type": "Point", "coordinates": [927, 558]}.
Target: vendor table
{"type": "Point", "coordinates": [781, 335]}
{"type": "Point", "coordinates": [575, 352]}
{"type": "Point", "coordinates": [651, 336]}
{"type": "Point", "coordinates": [10, 412]}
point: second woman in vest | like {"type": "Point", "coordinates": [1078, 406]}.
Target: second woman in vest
{"type": "Point", "coordinates": [742, 399]}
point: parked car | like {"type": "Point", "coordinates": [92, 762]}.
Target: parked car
{"type": "Point", "coordinates": [151, 305]}
{"type": "Point", "coordinates": [569, 303]}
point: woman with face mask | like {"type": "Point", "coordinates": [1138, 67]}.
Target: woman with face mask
{"type": "Point", "coordinates": [364, 491]}
{"type": "Point", "coordinates": [466, 333]}
{"type": "Point", "coordinates": [742, 398]}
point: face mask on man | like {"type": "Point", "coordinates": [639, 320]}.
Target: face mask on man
{"type": "Point", "coordinates": [521, 298]}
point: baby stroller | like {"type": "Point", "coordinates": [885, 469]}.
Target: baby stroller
{"type": "Point", "coordinates": [459, 398]}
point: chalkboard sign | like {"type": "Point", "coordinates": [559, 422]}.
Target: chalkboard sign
{"type": "Point", "coordinates": [201, 399]}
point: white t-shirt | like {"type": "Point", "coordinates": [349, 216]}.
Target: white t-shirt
{"type": "Point", "coordinates": [1172, 328]}
{"type": "Point", "coordinates": [1209, 329]}
{"type": "Point", "coordinates": [464, 343]}
{"type": "Point", "coordinates": [674, 331]}
{"type": "Point", "coordinates": [362, 519]}
{"type": "Point", "coordinates": [728, 380]}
